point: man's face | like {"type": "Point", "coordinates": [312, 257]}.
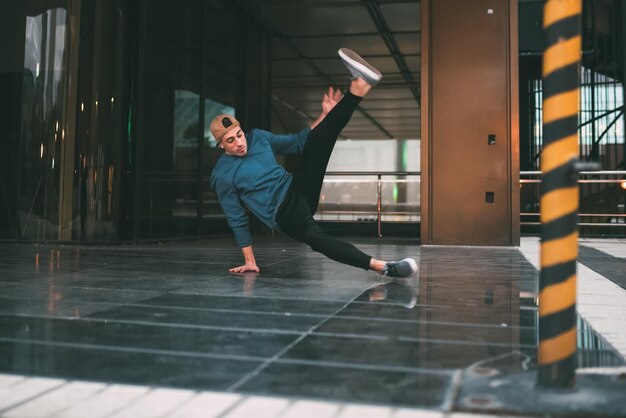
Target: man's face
{"type": "Point", "coordinates": [234, 142]}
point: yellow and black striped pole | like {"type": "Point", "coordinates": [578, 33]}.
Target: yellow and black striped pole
{"type": "Point", "coordinates": [559, 194]}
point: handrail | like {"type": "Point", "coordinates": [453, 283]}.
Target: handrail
{"type": "Point", "coordinates": [582, 173]}
{"type": "Point", "coordinates": [156, 176]}
{"type": "Point", "coordinates": [379, 187]}
{"type": "Point", "coordinates": [390, 173]}
{"type": "Point", "coordinates": [373, 173]}
{"type": "Point", "coordinates": [580, 181]}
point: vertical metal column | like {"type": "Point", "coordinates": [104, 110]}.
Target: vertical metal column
{"type": "Point", "coordinates": [138, 128]}
{"type": "Point", "coordinates": [623, 10]}
{"type": "Point", "coordinates": [201, 124]}
{"type": "Point", "coordinates": [559, 194]}
{"type": "Point", "coordinates": [68, 134]}
{"type": "Point", "coordinates": [379, 199]}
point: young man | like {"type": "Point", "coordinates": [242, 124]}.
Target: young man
{"type": "Point", "coordinates": [247, 175]}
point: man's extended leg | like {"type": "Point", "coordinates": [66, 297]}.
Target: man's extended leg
{"type": "Point", "coordinates": [321, 141]}
{"type": "Point", "coordinates": [319, 147]}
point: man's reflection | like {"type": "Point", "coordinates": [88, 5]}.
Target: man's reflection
{"type": "Point", "coordinates": [394, 293]}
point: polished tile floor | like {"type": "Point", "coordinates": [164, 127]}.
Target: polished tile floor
{"type": "Point", "coordinates": [306, 327]}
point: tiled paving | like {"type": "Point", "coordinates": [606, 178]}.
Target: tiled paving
{"type": "Point", "coordinates": [165, 330]}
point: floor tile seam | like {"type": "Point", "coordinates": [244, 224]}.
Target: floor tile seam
{"type": "Point", "coordinates": [165, 324]}
{"type": "Point", "coordinates": [461, 342]}
{"type": "Point", "coordinates": [366, 366]}
{"type": "Point", "coordinates": [378, 337]}
{"type": "Point", "coordinates": [180, 308]}
{"type": "Point", "coordinates": [192, 308]}
{"type": "Point", "coordinates": [417, 305]}
{"type": "Point", "coordinates": [58, 271]}
{"type": "Point", "coordinates": [280, 261]}
{"type": "Point", "coordinates": [135, 350]}
{"type": "Point", "coordinates": [195, 309]}
{"type": "Point", "coordinates": [404, 338]}
{"type": "Point", "coordinates": [424, 321]}
{"type": "Point", "coordinates": [278, 355]}
{"type": "Point", "coordinates": [108, 289]}
{"type": "Point", "coordinates": [175, 292]}
{"type": "Point", "coordinates": [457, 246]}
{"type": "Point", "coordinates": [352, 336]}
{"type": "Point", "coordinates": [33, 397]}
{"type": "Point", "coordinates": [266, 330]}
{"type": "Point", "coordinates": [187, 293]}
{"type": "Point", "coordinates": [224, 310]}
{"type": "Point", "coordinates": [46, 298]}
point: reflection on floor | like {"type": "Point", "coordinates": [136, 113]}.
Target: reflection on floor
{"type": "Point", "coordinates": [306, 327]}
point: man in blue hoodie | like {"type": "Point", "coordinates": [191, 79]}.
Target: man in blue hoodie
{"type": "Point", "coordinates": [248, 176]}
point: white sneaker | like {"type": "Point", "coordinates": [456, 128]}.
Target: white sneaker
{"type": "Point", "coordinates": [403, 268]}
{"type": "Point", "coordinates": [358, 67]}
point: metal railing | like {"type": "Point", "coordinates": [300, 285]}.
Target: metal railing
{"type": "Point", "coordinates": [379, 190]}
{"type": "Point", "coordinates": [614, 177]}
{"type": "Point", "coordinates": [378, 208]}
{"type": "Point", "coordinates": [589, 184]}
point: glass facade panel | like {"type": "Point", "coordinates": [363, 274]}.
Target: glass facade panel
{"type": "Point", "coordinates": [172, 71]}
{"type": "Point", "coordinates": [101, 209]}
{"type": "Point", "coordinates": [35, 75]}
{"type": "Point", "coordinates": [224, 84]}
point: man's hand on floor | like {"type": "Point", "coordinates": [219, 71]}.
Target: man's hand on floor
{"type": "Point", "coordinates": [244, 268]}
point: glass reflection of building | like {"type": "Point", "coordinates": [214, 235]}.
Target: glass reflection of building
{"type": "Point", "coordinates": [105, 115]}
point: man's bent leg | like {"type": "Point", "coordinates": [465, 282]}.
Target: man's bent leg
{"type": "Point", "coordinates": [334, 248]}
{"type": "Point", "coordinates": [296, 221]}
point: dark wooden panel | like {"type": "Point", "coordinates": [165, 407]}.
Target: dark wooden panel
{"type": "Point", "coordinates": [470, 99]}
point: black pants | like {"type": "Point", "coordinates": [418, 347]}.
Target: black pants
{"type": "Point", "coordinates": [295, 214]}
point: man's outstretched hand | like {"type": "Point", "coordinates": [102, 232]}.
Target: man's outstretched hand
{"type": "Point", "coordinates": [330, 99]}
{"type": "Point", "coordinates": [244, 268]}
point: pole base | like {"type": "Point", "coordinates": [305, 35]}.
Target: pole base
{"type": "Point", "coordinates": [597, 393]}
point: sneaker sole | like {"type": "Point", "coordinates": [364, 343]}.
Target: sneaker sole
{"type": "Point", "coordinates": [360, 64]}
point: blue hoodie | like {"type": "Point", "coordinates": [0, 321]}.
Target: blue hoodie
{"type": "Point", "coordinates": [255, 181]}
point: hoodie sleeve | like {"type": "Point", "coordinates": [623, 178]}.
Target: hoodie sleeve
{"type": "Point", "coordinates": [289, 143]}
{"type": "Point", "coordinates": [236, 214]}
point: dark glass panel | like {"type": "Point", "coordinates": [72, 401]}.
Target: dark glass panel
{"type": "Point", "coordinates": [102, 200]}
{"type": "Point", "coordinates": [172, 71]}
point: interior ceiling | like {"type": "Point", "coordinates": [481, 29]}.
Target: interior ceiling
{"type": "Point", "coordinates": [306, 37]}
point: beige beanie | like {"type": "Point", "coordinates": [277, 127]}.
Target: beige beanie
{"type": "Point", "coordinates": [221, 125]}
